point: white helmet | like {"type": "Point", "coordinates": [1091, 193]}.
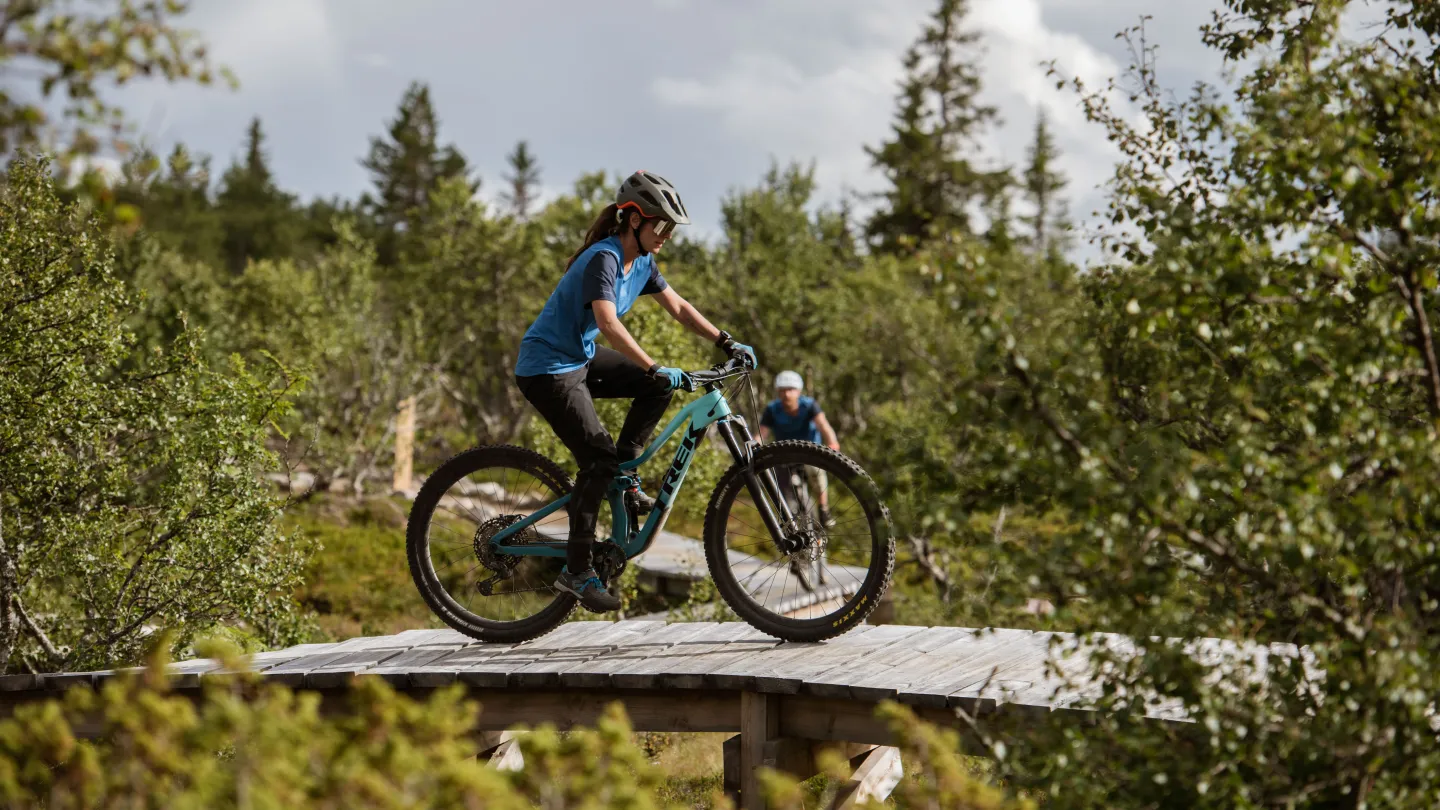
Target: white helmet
{"type": "Point", "coordinates": [789, 379]}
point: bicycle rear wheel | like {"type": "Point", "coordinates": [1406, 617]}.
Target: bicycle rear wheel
{"type": "Point", "coordinates": [485, 595]}
{"type": "Point", "coordinates": [855, 556]}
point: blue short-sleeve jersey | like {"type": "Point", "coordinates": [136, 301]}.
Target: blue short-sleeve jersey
{"type": "Point", "coordinates": [797, 426]}
{"type": "Point", "coordinates": [562, 338]}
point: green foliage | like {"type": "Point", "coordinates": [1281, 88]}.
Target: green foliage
{"type": "Point", "coordinates": [1242, 426]}
{"type": "Point", "coordinates": [934, 187]}
{"type": "Point", "coordinates": [524, 180]}
{"type": "Point", "coordinates": [1043, 184]}
{"type": "Point", "coordinates": [330, 320]}
{"type": "Point", "coordinates": [408, 166]}
{"type": "Point", "coordinates": [258, 219]}
{"type": "Point", "coordinates": [241, 743]}
{"type": "Point", "coordinates": [130, 494]}
{"type": "Point", "coordinates": [75, 52]}
{"type": "Point", "coordinates": [357, 583]}
{"type": "Point", "coordinates": [245, 745]}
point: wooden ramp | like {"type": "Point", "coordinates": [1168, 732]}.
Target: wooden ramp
{"type": "Point", "coordinates": [783, 698]}
{"type": "Point", "coordinates": [674, 563]}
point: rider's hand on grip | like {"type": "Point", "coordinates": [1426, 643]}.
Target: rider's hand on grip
{"type": "Point", "coordinates": [673, 377]}
{"type": "Point", "coordinates": [743, 353]}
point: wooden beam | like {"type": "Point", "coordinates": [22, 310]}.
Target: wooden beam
{"type": "Point", "coordinates": [759, 724]}
{"type": "Point", "coordinates": [876, 774]}
{"type": "Point", "coordinates": [668, 710]}
{"type": "Point", "coordinates": [501, 750]}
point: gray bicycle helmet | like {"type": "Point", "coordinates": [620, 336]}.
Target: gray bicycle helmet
{"type": "Point", "coordinates": [653, 196]}
{"type": "Point", "coordinates": [789, 379]}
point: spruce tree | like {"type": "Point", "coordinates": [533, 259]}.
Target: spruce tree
{"type": "Point", "coordinates": [524, 179]}
{"type": "Point", "coordinates": [259, 220]}
{"type": "Point", "coordinates": [939, 117]}
{"type": "Point", "coordinates": [1048, 223]}
{"type": "Point", "coordinates": [407, 165]}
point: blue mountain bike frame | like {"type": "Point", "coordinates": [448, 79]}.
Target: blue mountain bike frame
{"type": "Point", "coordinates": [701, 414]}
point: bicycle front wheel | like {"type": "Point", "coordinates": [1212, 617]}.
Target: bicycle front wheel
{"type": "Point", "coordinates": [853, 551]}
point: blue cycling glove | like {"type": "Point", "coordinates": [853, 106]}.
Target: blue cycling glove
{"type": "Point", "coordinates": [737, 350]}
{"type": "Point", "coordinates": [674, 377]}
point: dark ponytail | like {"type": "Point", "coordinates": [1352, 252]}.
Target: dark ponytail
{"type": "Point", "coordinates": [606, 225]}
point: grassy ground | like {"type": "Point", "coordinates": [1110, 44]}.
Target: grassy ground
{"type": "Point", "coordinates": [358, 583]}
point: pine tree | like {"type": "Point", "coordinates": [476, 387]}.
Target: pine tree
{"type": "Point", "coordinates": [1049, 222]}
{"type": "Point", "coordinates": [524, 179]}
{"type": "Point", "coordinates": [407, 166]}
{"type": "Point", "coordinates": [259, 220]}
{"type": "Point", "coordinates": [177, 208]}
{"type": "Point", "coordinates": [933, 184]}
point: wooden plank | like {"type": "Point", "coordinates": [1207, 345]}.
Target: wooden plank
{"type": "Point", "coordinates": [371, 643]}
{"type": "Point", "coordinates": [928, 680]}
{"type": "Point", "coordinates": [851, 651]}
{"type": "Point", "coordinates": [397, 671]}
{"type": "Point", "coordinates": [689, 665]}
{"type": "Point", "coordinates": [848, 721]}
{"type": "Point", "coordinates": [730, 773]}
{"type": "Point", "coordinates": [759, 723]}
{"type": "Point", "coordinates": [741, 673]}
{"type": "Point", "coordinates": [23, 682]}
{"type": "Point", "coordinates": [65, 681]}
{"type": "Point", "coordinates": [339, 672]}
{"type": "Point", "coordinates": [545, 671]}
{"type": "Point", "coordinates": [993, 675]}
{"type": "Point", "coordinates": [655, 649]}
{"type": "Point", "coordinates": [490, 664]}
{"type": "Point", "coordinates": [837, 682]}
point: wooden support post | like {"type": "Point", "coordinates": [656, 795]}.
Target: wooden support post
{"type": "Point", "coordinates": [759, 724]}
{"type": "Point", "coordinates": [501, 750]}
{"type": "Point", "coordinates": [730, 754]}
{"type": "Point", "coordinates": [402, 478]}
{"type": "Point", "coordinates": [877, 772]}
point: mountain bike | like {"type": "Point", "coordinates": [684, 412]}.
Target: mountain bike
{"type": "Point", "coordinates": [487, 532]}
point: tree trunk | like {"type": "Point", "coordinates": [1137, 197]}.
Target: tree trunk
{"type": "Point", "coordinates": [9, 579]}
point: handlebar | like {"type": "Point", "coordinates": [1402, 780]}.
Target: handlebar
{"type": "Point", "coordinates": [721, 371]}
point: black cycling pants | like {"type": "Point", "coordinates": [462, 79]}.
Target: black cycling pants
{"type": "Point", "coordinates": [567, 401]}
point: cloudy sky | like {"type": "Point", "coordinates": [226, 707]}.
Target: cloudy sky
{"type": "Point", "coordinates": [707, 93]}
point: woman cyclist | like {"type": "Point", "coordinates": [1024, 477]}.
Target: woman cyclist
{"type": "Point", "coordinates": [561, 371]}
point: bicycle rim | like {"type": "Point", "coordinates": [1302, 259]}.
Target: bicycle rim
{"type": "Point", "coordinates": [849, 564]}
{"type": "Point", "coordinates": [472, 497]}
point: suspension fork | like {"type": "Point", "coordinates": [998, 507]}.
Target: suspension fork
{"type": "Point", "coordinates": [764, 489]}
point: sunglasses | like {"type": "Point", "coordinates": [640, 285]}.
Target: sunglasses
{"type": "Point", "coordinates": [662, 226]}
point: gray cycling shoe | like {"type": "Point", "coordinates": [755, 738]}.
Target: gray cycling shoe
{"type": "Point", "coordinates": [587, 587]}
{"type": "Point", "coordinates": [638, 502]}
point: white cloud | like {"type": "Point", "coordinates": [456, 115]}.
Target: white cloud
{"type": "Point", "coordinates": [378, 61]}
{"type": "Point", "coordinates": [829, 111]}
{"type": "Point", "coordinates": [772, 104]}
{"type": "Point", "coordinates": [269, 42]}
{"type": "Point", "coordinates": [1020, 47]}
